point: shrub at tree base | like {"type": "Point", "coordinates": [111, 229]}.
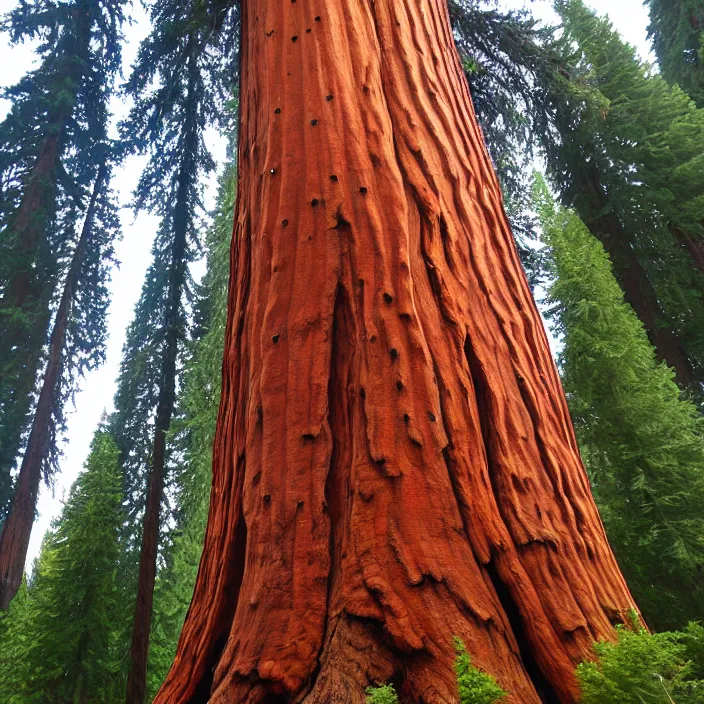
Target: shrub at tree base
{"type": "Point", "coordinates": [475, 686]}
{"type": "Point", "coordinates": [663, 668]}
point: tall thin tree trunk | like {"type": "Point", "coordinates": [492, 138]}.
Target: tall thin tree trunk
{"type": "Point", "coordinates": [637, 287]}
{"type": "Point", "coordinates": [139, 653]}
{"type": "Point", "coordinates": [394, 463]}
{"type": "Point", "coordinates": [16, 531]}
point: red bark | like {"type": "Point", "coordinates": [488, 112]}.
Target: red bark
{"type": "Point", "coordinates": [394, 463]}
{"type": "Point", "coordinates": [17, 528]}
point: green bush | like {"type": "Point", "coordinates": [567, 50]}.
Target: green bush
{"type": "Point", "coordinates": [476, 687]}
{"type": "Point", "coordinates": [663, 668]}
{"type": "Point", "coordinates": [386, 694]}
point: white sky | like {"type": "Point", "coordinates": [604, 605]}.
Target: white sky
{"type": "Point", "coordinates": [133, 252]}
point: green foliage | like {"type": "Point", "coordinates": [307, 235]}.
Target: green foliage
{"type": "Point", "coordinates": [475, 686]}
{"type": "Point", "coordinates": [643, 443]}
{"type": "Point", "coordinates": [642, 667]}
{"type": "Point", "coordinates": [193, 432]}
{"type": "Point", "coordinates": [385, 694]}
{"type": "Point", "coordinates": [52, 143]}
{"type": "Point", "coordinates": [629, 160]}
{"type": "Point", "coordinates": [59, 644]}
{"type": "Point", "coordinates": [677, 31]}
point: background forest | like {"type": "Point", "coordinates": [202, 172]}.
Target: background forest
{"type": "Point", "coordinates": [601, 161]}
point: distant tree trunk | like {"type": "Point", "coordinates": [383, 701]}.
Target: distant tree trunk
{"type": "Point", "coordinates": [139, 654]}
{"type": "Point", "coordinates": [593, 207]}
{"type": "Point", "coordinates": [394, 463]}
{"type": "Point", "coordinates": [16, 531]}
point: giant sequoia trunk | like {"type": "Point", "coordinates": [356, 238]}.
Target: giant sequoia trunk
{"type": "Point", "coordinates": [394, 463]}
{"type": "Point", "coordinates": [17, 528]}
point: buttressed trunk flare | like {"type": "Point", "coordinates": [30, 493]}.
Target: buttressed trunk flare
{"type": "Point", "coordinates": [394, 463]}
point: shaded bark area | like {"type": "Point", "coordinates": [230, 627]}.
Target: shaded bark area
{"type": "Point", "coordinates": [394, 463]}
{"type": "Point", "coordinates": [17, 528]}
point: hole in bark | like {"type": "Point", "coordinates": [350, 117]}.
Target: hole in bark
{"type": "Point", "coordinates": [363, 190]}
{"type": "Point", "coordinates": [334, 178]}
{"type": "Point", "coordinates": [284, 223]}
{"type": "Point", "coordinates": [317, 19]}
{"type": "Point", "coordinates": [399, 385]}
{"type": "Point", "coordinates": [394, 353]}
{"type": "Point", "coordinates": [365, 90]}
{"type": "Point", "coordinates": [277, 111]}
{"type": "Point", "coordinates": [405, 316]}
{"type": "Point", "coordinates": [388, 298]}
{"type": "Point", "coordinates": [268, 34]}
{"type": "Point", "coordinates": [314, 202]}
{"type": "Point", "coordinates": [406, 418]}
{"type": "Point", "coordinates": [267, 498]}
{"type": "Point", "coordinates": [314, 122]}
{"type": "Point", "coordinates": [372, 338]}
{"type": "Point", "coordinates": [275, 339]}
{"type": "Point", "coordinates": [308, 30]}
{"type": "Point", "coordinates": [294, 38]}
{"type": "Point", "coordinates": [544, 689]}
{"type": "Point", "coordinates": [431, 415]}
{"type": "Point", "coordinates": [340, 222]}
{"type": "Point", "coordinates": [362, 394]}
{"type": "Point", "coordinates": [308, 436]}
{"type": "Point", "coordinates": [328, 97]}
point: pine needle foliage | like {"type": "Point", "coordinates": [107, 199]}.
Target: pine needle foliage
{"type": "Point", "coordinates": [59, 644]}
{"type": "Point", "coordinates": [629, 161]}
{"type": "Point", "coordinates": [193, 433]}
{"type": "Point", "coordinates": [677, 32]}
{"type": "Point", "coordinates": [662, 668]}
{"type": "Point", "coordinates": [52, 144]}
{"type": "Point", "coordinates": [643, 443]}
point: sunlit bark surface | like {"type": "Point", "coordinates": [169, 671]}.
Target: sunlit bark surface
{"type": "Point", "coordinates": [394, 463]}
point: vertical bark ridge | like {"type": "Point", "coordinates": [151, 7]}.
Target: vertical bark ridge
{"type": "Point", "coordinates": [401, 486]}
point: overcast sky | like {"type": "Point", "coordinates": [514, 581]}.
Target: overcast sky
{"type": "Point", "coordinates": [133, 252]}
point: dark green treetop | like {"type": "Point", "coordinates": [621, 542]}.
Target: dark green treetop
{"type": "Point", "coordinates": [677, 32]}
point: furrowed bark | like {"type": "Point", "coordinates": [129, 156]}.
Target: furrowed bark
{"type": "Point", "coordinates": [139, 652]}
{"type": "Point", "coordinates": [17, 528]}
{"type": "Point", "coordinates": [394, 463]}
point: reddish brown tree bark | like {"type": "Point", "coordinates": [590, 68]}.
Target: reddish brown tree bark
{"type": "Point", "coordinates": [394, 463]}
{"type": "Point", "coordinates": [17, 528]}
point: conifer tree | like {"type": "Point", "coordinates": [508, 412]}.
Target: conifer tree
{"type": "Point", "coordinates": [59, 646]}
{"type": "Point", "coordinates": [76, 344]}
{"type": "Point", "coordinates": [49, 155]}
{"type": "Point", "coordinates": [628, 160]}
{"type": "Point", "coordinates": [194, 429]}
{"type": "Point", "coordinates": [642, 442]}
{"type": "Point", "coordinates": [677, 31]}
{"type": "Point", "coordinates": [180, 85]}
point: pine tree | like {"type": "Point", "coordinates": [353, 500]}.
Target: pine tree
{"type": "Point", "coordinates": [179, 87]}
{"type": "Point", "coordinates": [76, 345]}
{"type": "Point", "coordinates": [194, 430]}
{"type": "Point", "coordinates": [629, 161]}
{"type": "Point", "coordinates": [49, 155]}
{"type": "Point", "coordinates": [59, 646]}
{"type": "Point", "coordinates": [393, 462]}
{"type": "Point", "coordinates": [643, 443]}
{"type": "Point", "coordinates": [677, 31]}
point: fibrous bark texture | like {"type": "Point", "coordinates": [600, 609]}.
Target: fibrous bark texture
{"type": "Point", "coordinates": [394, 463]}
